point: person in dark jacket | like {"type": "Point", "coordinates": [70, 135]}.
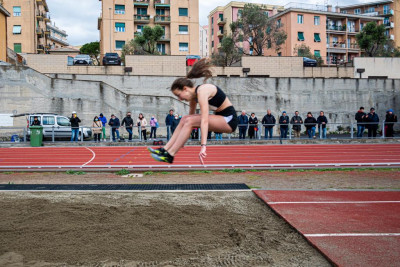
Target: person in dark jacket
{"type": "Point", "coordinates": [35, 122]}
{"type": "Point", "coordinates": [114, 124]}
{"type": "Point", "coordinates": [168, 122]}
{"type": "Point", "coordinates": [74, 126]}
{"type": "Point", "coordinates": [373, 122]}
{"type": "Point", "coordinates": [322, 122]}
{"type": "Point", "coordinates": [128, 122]}
{"type": "Point", "coordinates": [390, 119]}
{"type": "Point", "coordinates": [253, 121]}
{"type": "Point", "coordinates": [360, 118]}
{"type": "Point", "coordinates": [268, 122]}
{"type": "Point", "coordinates": [297, 121]}
{"type": "Point", "coordinates": [243, 122]}
{"type": "Point", "coordinates": [104, 122]}
{"type": "Point", "coordinates": [175, 123]}
{"type": "Point", "coordinates": [310, 123]}
{"type": "Point", "coordinates": [284, 125]}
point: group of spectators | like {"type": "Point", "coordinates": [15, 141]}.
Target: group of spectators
{"type": "Point", "coordinates": [370, 122]}
{"type": "Point", "coordinates": [250, 124]}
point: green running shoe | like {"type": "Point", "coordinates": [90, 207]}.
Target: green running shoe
{"type": "Point", "coordinates": [163, 158]}
{"type": "Point", "coordinates": [157, 151]}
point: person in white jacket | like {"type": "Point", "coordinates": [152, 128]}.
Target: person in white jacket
{"type": "Point", "coordinates": [142, 123]}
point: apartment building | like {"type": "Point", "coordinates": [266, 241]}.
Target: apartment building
{"type": "Point", "coordinates": [221, 17]}
{"type": "Point", "coordinates": [389, 10]}
{"type": "Point", "coordinates": [4, 14]}
{"type": "Point", "coordinates": [330, 35]}
{"type": "Point", "coordinates": [26, 27]}
{"type": "Point", "coordinates": [121, 20]}
{"type": "Point", "coordinates": [203, 31]}
{"type": "Point", "coordinates": [57, 37]}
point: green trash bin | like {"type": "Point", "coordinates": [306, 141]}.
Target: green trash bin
{"type": "Point", "coordinates": [36, 135]}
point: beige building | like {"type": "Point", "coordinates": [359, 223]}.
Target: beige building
{"type": "Point", "coordinates": [203, 33]}
{"type": "Point", "coordinates": [26, 27]}
{"type": "Point", "coordinates": [57, 37]}
{"type": "Point", "coordinates": [221, 17]}
{"type": "Point", "coordinates": [3, 32]}
{"type": "Point", "coordinates": [121, 20]}
{"type": "Point", "coordinates": [389, 10]}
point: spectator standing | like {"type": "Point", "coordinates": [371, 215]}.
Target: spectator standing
{"type": "Point", "coordinates": [35, 122]}
{"type": "Point", "coordinates": [284, 125]}
{"type": "Point", "coordinates": [243, 123]}
{"type": "Point", "coordinates": [310, 123]}
{"type": "Point", "coordinates": [218, 136]}
{"type": "Point", "coordinates": [104, 122]}
{"type": "Point", "coordinates": [195, 134]}
{"type": "Point", "coordinates": [360, 118]}
{"type": "Point", "coordinates": [175, 123]}
{"type": "Point", "coordinates": [296, 121]}
{"type": "Point", "coordinates": [142, 123]}
{"type": "Point", "coordinates": [74, 126]}
{"type": "Point", "coordinates": [154, 126]}
{"type": "Point", "coordinates": [390, 119]}
{"type": "Point", "coordinates": [168, 122]}
{"type": "Point", "coordinates": [128, 122]}
{"type": "Point", "coordinates": [373, 119]}
{"type": "Point", "coordinates": [253, 121]}
{"type": "Point", "coordinates": [269, 122]}
{"type": "Point", "coordinates": [114, 124]}
{"type": "Point", "coordinates": [97, 129]}
{"type": "Point", "coordinates": [322, 121]}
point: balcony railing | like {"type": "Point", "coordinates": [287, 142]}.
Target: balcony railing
{"type": "Point", "coordinates": [142, 18]}
{"type": "Point", "coordinates": [221, 21]}
{"type": "Point", "coordinates": [165, 38]}
{"type": "Point", "coordinates": [162, 3]}
{"type": "Point", "coordinates": [141, 2]}
{"type": "Point", "coordinates": [162, 19]}
{"type": "Point", "coordinates": [336, 28]}
{"type": "Point", "coordinates": [354, 46]}
{"type": "Point", "coordinates": [336, 45]}
{"type": "Point", "coordinates": [40, 47]}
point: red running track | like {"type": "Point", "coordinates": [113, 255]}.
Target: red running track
{"type": "Point", "coordinates": [229, 156]}
{"type": "Point", "coordinates": [351, 228]}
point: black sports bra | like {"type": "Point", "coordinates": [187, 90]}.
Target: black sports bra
{"type": "Point", "coordinates": [217, 100]}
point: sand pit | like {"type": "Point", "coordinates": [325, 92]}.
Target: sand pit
{"type": "Point", "coordinates": [147, 229]}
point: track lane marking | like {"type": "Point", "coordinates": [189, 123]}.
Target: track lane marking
{"type": "Point", "coordinates": [334, 202]}
{"type": "Point", "coordinates": [94, 156]}
{"type": "Point", "coordinates": [352, 234]}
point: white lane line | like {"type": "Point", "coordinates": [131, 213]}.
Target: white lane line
{"type": "Point", "coordinates": [94, 156]}
{"type": "Point", "coordinates": [335, 202]}
{"type": "Point", "coordinates": [352, 234]}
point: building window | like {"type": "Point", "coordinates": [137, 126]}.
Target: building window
{"type": "Point", "coordinates": [212, 20]}
{"type": "Point", "coordinates": [343, 11]}
{"type": "Point", "coordinates": [212, 43]}
{"type": "Point", "coordinates": [278, 23]}
{"type": "Point", "coordinates": [17, 48]}
{"type": "Point", "coordinates": [119, 45]}
{"type": "Point", "coordinates": [371, 10]}
{"type": "Point", "coordinates": [300, 19]}
{"type": "Point", "coordinates": [221, 17]}
{"type": "Point", "coordinates": [119, 9]}
{"type": "Point", "coordinates": [183, 29]}
{"type": "Point", "coordinates": [361, 26]}
{"type": "Point", "coordinates": [279, 54]}
{"type": "Point", "coordinates": [212, 31]}
{"type": "Point", "coordinates": [17, 29]}
{"type": "Point", "coordinates": [317, 53]}
{"type": "Point", "coordinates": [183, 47]}
{"type": "Point", "coordinates": [266, 13]}
{"type": "Point", "coordinates": [142, 11]}
{"type": "Point", "coordinates": [119, 27]}
{"type": "Point", "coordinates": [300, 36]}
{"type": "Point", "coordinates": [357, 11]}
{"type": "Point", "coordinates": [387, 33]}
{"type": "Point", "coordinates": [139, 28]}
{"type": "Point", "coordinates": [17, 11]}
{"type": "Point", "coordinates": [183, 12]}
{"type": "Point", "coordinates": [317, 20]}
{"type": "Point", "coordinates": [317, 38]}
{"type": "Point", "coordinates": [386, 10]}
{"type": "Point", "coordinates": [269, 44]}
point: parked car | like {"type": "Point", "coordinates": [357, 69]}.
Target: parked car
{"type": "Point", "coordinates": [308, 62]}
{"type": "Point", "coordinates": [111, 59]}
{"type": "Point", "coordinates": [83, 60]}
{"type": "Point", "coordinates": [60, 124]}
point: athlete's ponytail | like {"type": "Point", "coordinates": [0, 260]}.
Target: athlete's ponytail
{"type": "Point", "coordinates": [200, 69]}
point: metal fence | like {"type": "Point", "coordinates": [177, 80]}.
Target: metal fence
{"type": "Point", "coordinates": [250, 131]}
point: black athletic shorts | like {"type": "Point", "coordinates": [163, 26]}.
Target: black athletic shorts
{"type": "Point", "coordinates": [227, 113]}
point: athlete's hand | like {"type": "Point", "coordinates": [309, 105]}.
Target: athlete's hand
{"type": "Point", "coordinates": [202, 154]}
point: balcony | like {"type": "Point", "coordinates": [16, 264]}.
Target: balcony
{"type": "Point", "coordinates": [219, 45]}
{"type": "Point", "coordinates": [47, 33]}
{"type": "Point", "coordinates": [389, 25]}
{"type": "Point", "coordinates": [40, 48]}
{"type": "Point", "coordinates": [162, 19]}
{"type": "Point", "coordinates": [141, 2]}
{"type": "Point", "coordinates": [142, 18]}
{"type": "Point", "coordinates": [162, 4]}
{"type": "Point", "coordinates": [39, 32]}
{"type": "Point", "coordinates": [388, 12]}
{"type": "Point", "coordinates": [336, 28]}
{"type": "Point", "coordinates": [221, 21]}
{"type": "Point", "coordinates": [165, 38]}
{"type": "Point", "coordinates": [39, 2]}
{"type": "Point", "coordinates": [336, 47]}
{"type": "Point", "coordinates": [39, 16]}
{"type": "Point", "coordinates": [221, 33]}
{"type": "Point", "coordinates": [46, 18]}
{"type": "Point", "coordinates": [353, 46]}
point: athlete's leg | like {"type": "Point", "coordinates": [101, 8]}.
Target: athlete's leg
{"type": "Point", "coordinates": [216, 123]}
{"type": "Point", "coordinates": [174, 137]}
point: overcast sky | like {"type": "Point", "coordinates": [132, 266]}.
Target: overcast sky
{"type": "Point", "coordinates": [79, 17]}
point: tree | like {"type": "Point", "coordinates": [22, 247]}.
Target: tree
{"type": "Point", "coordinates": [255, 28]}
{"type": "Point", "coordinates": [305, 51]}
{"type": "Point", "coordinates": [147, 41]}
{"type": "Point", "coordinates": [92, 49]}
{"type": "Point", "coordinates": [389, 50]}
{"type": "Point", "coordinates": [228, 54]}
{"type": "Point", "coordinates": [372, 38]}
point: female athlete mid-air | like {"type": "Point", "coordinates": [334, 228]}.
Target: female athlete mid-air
{"type": "Point", "coordinates": [209, 97]}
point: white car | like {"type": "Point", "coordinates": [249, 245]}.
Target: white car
{"type": "Point", "coordinates": [83, 60]}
